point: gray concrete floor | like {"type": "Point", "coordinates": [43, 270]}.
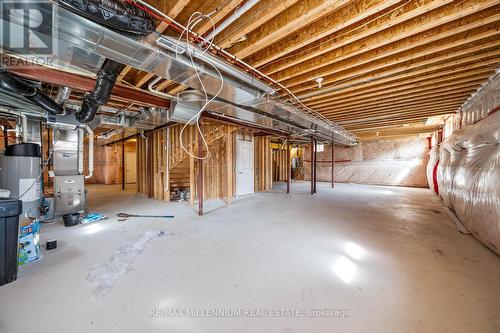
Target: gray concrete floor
{"type": "Point", "coordinates": [389, 257]}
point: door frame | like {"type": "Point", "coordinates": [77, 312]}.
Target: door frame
{"type": "Point", "coordinates": [125, 167]}
{"type": "Point", "coordinates": [238, 143]}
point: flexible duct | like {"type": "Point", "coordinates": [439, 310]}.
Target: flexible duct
{"type": "Point", "coordinates": [106, 79]}
{"type": "Point", "coordinates": [62, 95]}
{"type": "Point", "coordinates": [24, 121]}
{"type": "Point", "coordinates": [115, 14]}
{"type": "Point", "coordinates": [17, 86]}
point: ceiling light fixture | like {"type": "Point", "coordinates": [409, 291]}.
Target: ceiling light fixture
{"type": "Point", "coordinates": [319, 80]}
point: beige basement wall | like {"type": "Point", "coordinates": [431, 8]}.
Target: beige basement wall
{"type": "Point", "coordinates": [387, 162]}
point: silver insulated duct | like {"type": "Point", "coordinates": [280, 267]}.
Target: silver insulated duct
{"type": "Point", "coordinates": [83, 45]}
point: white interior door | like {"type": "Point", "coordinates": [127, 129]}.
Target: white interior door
{"type": "Point", "coordinates": [130, 167]}
{"type": "Point", "coordinates": [244, 167]}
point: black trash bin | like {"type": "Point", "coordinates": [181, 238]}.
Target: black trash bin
{"type": "Point", "coordinates": [10, 209]}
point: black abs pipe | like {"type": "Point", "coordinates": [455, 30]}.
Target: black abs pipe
{"type": "Point", "coordinates": [18, 86]}
{"type": "Point", "coordinates": [115, 14]}
{"type": "Point", "coordinates": [106, 79]}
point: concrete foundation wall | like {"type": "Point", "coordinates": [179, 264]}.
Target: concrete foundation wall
{"type": "Point", "coordinates": [388, 162]}
{"type": "Point", "coordinates": [466, 169]}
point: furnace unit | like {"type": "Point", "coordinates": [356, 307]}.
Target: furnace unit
{"type": "Point", "coordinates": [69, 186]}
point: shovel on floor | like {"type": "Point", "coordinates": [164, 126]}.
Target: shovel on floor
{"type": "Point", "coordinates": [126, 216]}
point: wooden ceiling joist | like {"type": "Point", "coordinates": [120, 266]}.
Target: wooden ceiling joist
{"type": "Point", "coordinates": [173, 8]}
{"type": "Point", "coordinates": [383, 136]}
{"type": "Point", "coordinates": [230, 6]}
{"type": "Point", "coordinates": [396, 122]}
{"type": "Point", "coordinates": [259, 14]}
{"type": "Point", "coordinates": [374, 136]}
{"type": "Point", "coordinates": [393, 113]}
{"type": "Point", "coordinates": [296, 17]}
{"type": "Point", "coordinates": [455, 18]}
{"type": "Point", "coordinates": [442, 50]}
{"type": "Point", "coordinates": [410, 10]}
{"type": "Point", "coordinates": [204, 7]}
{"type": "Point", "coordinates": [468, 82]}
{"type": "Point", "coordinates": [388, 124]}
{"type": "Point", "coordinates": [164, 84]}
{"type": "Point", "coordinates": [385, 127]}
{"type": "Point", "coordinates": [401, 119]}
{"type": "Point", "coordinates": [406, 97]}
{"type": "Point", "coordinates": [411, 129]}
{"type": "Point", "coordinates": [370, 90]}
{"type": "Point", "coordinates": [383, 63]}
{"type": "Point", "coordinates": [399, 80]}
{"type": "Point", "coordinates": [389, 110]}
{"type": "Point", "coordinates": [346, 101]}
{"type": "Point", "coordinates": [350, 14]}
{"type": "Point", "coordinates": [400, 103]}
{"type": "Point", "coordinates": [345, 114]}
{"type": "Point", "coordinates": [482, 66]}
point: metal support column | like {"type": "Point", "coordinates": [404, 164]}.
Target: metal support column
{"type": "Point", "coordinates": [6, 137]}
{"type": "Point", "coordinates": [200, 171]}
{"type": "Point", "coordinates": [312, 165]}
{"type": "Point", "coordinates": [123, 165]}
{"type": "Point", "coordinates": [288, 167]}
{"type": "Point", "coordinates": [315, 163]}
{"type": "Point", "coordinates": [333, 165]}
{"type": "Point", "coordinates": [149, 159]}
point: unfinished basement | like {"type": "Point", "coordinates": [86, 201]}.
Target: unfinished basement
{"type": "Point", "coordinates": [249, 166]}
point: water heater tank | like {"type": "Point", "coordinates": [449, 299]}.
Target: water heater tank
{"type": "Point", "coordinates": [19, 169]}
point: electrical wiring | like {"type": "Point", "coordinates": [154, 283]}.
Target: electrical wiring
{"type": "Point", "coordinates": [195, 19]}
{"type": "Point", "coordinates": [38, 177]}
{"type": "Point", "coordinates": [235, 60]}
{"type": "Point", "coordinates": [45, 164]}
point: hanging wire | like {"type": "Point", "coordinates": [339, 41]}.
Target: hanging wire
{"type": "Point", "coordinates": [195, 19]}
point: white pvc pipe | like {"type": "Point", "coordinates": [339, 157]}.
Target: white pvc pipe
{"type": "Point", "coordinates": [24, 125]}
{"type": "Point", "coordinates": [80, 151]}
{"type": "Point", "coordinates": [157, 92]}
{"type": "Point", "coordinates": [236, 15]}
{"type": "Point", "coordinates": [90, 133]}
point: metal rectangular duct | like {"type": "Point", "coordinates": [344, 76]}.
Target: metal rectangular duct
{"type": "Point", "coordinates": [83, 45]}
{"type": "Point", "coordinates": [263, 112]}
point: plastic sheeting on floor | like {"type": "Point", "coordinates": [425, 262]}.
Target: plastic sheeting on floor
{"type": "Point", "coordinates": [468, 178]}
